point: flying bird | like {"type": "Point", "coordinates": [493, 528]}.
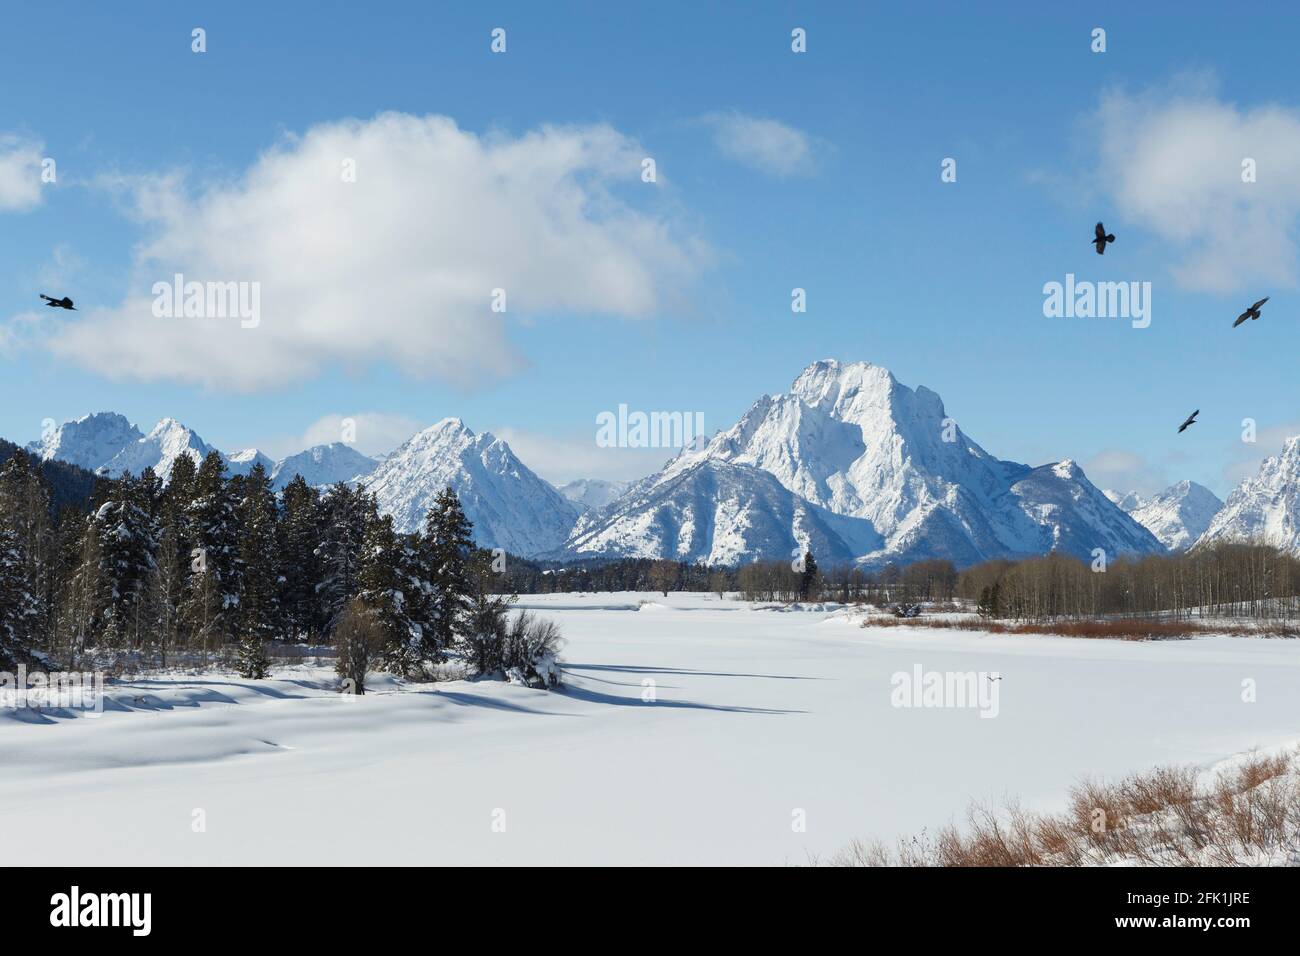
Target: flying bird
{"type": "Point", "coordinates": [1191, 420]}
{"type": "Point", "coordinates": [1251, 313]}
{"type": "Point", "coordinates": [1102, 237]}
{"type": "Point", "coordinates": [64, 303]}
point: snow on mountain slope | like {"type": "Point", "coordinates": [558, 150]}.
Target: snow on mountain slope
{"type": "Point", "coordinates": [1128, 503]}
{"type": "Point", "coordinates": [853, 441]}
{"type": "Point", "coordinates": [159, 450]}
{"type": "Point", "coordinates": [1265, 508]}
{"type": "Point", "coordinates": [592, 494]}
{"type": "Point", "coordinates": [90, 442]}
{"type": "Point", "coordinates": [242, 462]}
{"type": "Point", "coordinates": [1177, 516]}
{"type": "Point", "coordinates": [510, 506]}
{"type": "Point", "coordinates": [1074, 515]}
{"type": "Point", "coordinates": [323, 465]}
{"type": "Point", "coordinates": [719, 512]}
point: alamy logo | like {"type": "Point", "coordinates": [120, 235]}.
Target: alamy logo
{"type": "Point", "coordinates": [653, 430]}
{"type": "Point", "coordinates": [61, 690]}
{"type": "Point", "coordinates": [208, 300]}
{"type": "Point", "coordinates": [946, 689]}
{"type": "Point", "coordinates": [103, 909]}
{"type": "Point", "coordinates": [1098, 300]}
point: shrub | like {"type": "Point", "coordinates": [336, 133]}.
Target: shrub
{"type": "Point", "coordinates": [360, 639]}
{"type": "Point", "coordinates": [532, 649]}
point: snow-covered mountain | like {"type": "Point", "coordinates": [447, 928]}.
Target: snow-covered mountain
{"type": "Point", "coordinates": [1127, 502]}
{"type": "Point", "coordinates": [323, 465]}
{"type": "Point", "coordinates": [158, 450]}
{"type": "Point", "coordinates": [1177, 516]}
{"type": "Point", "coordinates": [243, 462]}
{"type": "Point", "coordinates": [850, 442]}
{"type": "Point", "coordinates": [510, 506]}
{"type": "Point", "coordinates": [89, 442]}
{"type": "Point", "coordinates": [721, 513]}
{"type": "Point", "coordinates": [1265, 508]}
{"type": "Point", "coordinates": [592, 494]}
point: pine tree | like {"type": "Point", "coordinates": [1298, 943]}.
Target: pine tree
{"type": "Point", "coordinates": [345, 516]}
{"type": "Point", "coordinates": [257, 580]}
{"type": "Point", "coordinates": [447, 545]}
{"type": "Point", "coordinates": [24, 517]}
{"type": "Point", "coordinates": [210, 591]}
{"type": "Point", "coordinates": [259, 575]}
{"type": "Point", "coordinates": [809, 581]}
{"type": "Point", "coordinates": [124, 524]}
{"type": "Point", "coordinates": [298, 534]}
{"type": "Point", "coordinates": [487, 620]}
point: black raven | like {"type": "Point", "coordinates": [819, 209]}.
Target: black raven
{"type": "Point", "coordinates": [1191, 420]}
{"type": "Point", "coordinates": [1251, 313]}
{"type": "Point", "coordinates": [1102, 239]}
{"type": "Point", "coordinates": [64, 303]}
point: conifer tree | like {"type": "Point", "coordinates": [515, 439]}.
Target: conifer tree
{"type": "Point", "coordinates": [809, 580]}
{"type": "Point", "coordinates": [259, 557]}
{"type": "Point", "coordinates": [345, 516]}
{"type": "Point", "coordinates": [210, 589]}
{"type": "Point", "coordinates": [24, 516]}
{"type": "Point", "coordinates": [487, 619]}
{"type": "Point", "coordinates": [447, 545]}
{"type": "Point", "coordinates": [124, 525]}
{"type": "Point", "coordinates": [258, 580]}
{"type": "Point", "coordinates": [298, 534]}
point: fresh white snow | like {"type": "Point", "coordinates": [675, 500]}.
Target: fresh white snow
{"type": "Point", "coordinates": [323, 465]}
{"type": "Point", "coordinates": [853, 463]}
{"type": "Point", "coordinates": [510, 506]}
{"type": "Point", "coordinates": [759, 714]}
{"type": "Point", "coordinates": [1177, 516]}
{"type": "Point", "coordinates": [592, 494]}
{"type": "Point", "coordinates": [1264, 508]}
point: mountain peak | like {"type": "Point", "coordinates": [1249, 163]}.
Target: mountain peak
{"type": "Point", "coordinates": [1066, 468]}
{"type": "Point", "coordinates": [877, 464]}
{"type": "Point", "coordinates": [166, 442]}
{"type": "Point", "coordinates": [1265, 507]}
{"type": "Point", "coordinates": [89, 442]}
{"type": "Point", "coordinates": [323, 465]}
{"type": "Point", "coordinates": [509, 506]}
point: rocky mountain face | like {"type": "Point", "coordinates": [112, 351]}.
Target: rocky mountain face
{"type": "Point", "coordinates": [877, 467]}
{"type": "Point", "coordinates": [510, 506]}
{"type": "Point", "coordinates": [1265, 508]}
{"type": "Point", "coordinates": [1177, 516]}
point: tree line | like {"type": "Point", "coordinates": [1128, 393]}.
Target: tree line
{"type": "Point", "coordinates": [213, 564]}
{"type": "Point", "coordinates": [1226, 579]}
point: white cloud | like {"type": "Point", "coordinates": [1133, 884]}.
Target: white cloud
{"type": "Point", "coordinates": [561, 460]}
{"type": "Point", "coordinates": [397, 267]}
{"type": "Point", "coordinates": [1123, 471]}
{"type": "Point", "coordinates": [20, 173]}
{"type": "Point", "coordinates": [19, 331]}
{"type": "Point", "coordinates": [1173, 160]}
{"type": "Point", "coordinates": [763, 144]}
{"type": "Point", "coordinates": [376, 433]}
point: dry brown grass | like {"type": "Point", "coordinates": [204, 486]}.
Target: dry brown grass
{"type": "Point", "coordinates": [1248, 815]}
{"type": "Point", "coordinates": [1121, 629]}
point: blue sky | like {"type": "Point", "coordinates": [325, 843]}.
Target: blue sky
{"type": "Point", "coordinates": [775, 170]}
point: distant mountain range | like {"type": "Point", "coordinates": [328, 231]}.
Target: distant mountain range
{"type": "Point", "coordinates": [849, 463]}
{"type": "Point", "coordinates": [107, 444]}
{"type": "Point", "coordinates": [857, 466]}
{"type": "Point", "coordinates": [1178, 516]}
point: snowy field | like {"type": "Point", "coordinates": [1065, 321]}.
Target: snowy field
{"type": "Point", "coordinates": [762, 717]}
